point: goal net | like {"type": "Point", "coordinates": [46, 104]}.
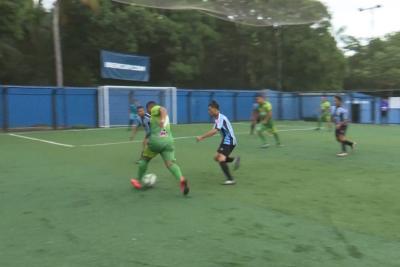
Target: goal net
{"type": "Point", "coordinates": [114, 102]}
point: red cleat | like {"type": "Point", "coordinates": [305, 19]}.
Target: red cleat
{"type": "Point", "coordinates": [184, 187]}
{"type": "Point", "coordinates": [136, 184]}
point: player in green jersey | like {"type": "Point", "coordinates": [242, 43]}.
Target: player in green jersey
{"type": "Point", "coordinates": [325, 113]}
{"type": "Point", "coordinates": [160, 142]}
{"type": "Point", "coordinates": [266, 123]}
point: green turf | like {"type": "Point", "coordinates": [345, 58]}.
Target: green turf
{"type": "Point", "coordinates": [297, 205]}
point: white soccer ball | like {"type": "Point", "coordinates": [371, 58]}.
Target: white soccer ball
{"type": "Point", "coordinates": [149, 179]}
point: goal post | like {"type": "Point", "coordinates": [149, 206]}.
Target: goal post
{"type": "Point", "coordinates": [114, 102]}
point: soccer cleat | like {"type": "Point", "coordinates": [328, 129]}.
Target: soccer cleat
{"type": "Point", "coordinates": [342, 154]}
{"type": "Point", "coordinates": [136, 184]}
{"type": "Point", "coordinates": [184, 187]}
{"type": "Point", "coordinates": [229, 182]}
{"type": "Point", "coordinates": [265, 146]}
{"type": "Point", "coordinates": [236, 163]}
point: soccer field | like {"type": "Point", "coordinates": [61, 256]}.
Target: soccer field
{"type": "Point", "coordinates": [66, 200]}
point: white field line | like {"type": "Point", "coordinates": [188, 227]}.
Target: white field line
{"type": "Point", "coordinates": [41, 140]}
{"type": "Point", "coordinates": [187, 137]}
{"type": "Point", "coordinates": [126, 126]}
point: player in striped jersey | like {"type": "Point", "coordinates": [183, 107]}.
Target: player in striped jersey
{"type": "Point", "coordinates": [228, 143]}
{"type": "Point", "coordinates": [340, 118]}
{"type": "Point", "coordinates": [142, 121]}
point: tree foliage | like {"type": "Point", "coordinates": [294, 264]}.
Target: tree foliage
{"type": "Point", "coordinates": [187, 48]}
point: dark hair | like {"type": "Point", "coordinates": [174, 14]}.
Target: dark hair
{"type": "Point", "coordinates": [150, 103]}
{"type": "Point", "coordinates": [140, 107]}
{"type": "Point", "coordinates": [214, 104]}
{"type": "Point", "coordinates": [338, 98]}
{"type": "Point", "coordinates": [260, 95]}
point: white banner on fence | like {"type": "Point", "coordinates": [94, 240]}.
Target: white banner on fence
{"type": "Point", "coordinates": [394, 102]}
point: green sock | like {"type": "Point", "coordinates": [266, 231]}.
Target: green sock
{"type": "Point", "coordinates": [319, 122]}
{"type": "Point", "coordinates": [176, 171]}
{"type": "Point", "coordinates": [142, 168]}
{"type": "Point", "coordinates": [263, 138]}
{"type": "Point", "coordinates": [276, 136]}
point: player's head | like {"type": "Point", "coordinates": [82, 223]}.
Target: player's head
{"type": "Point", "coordinates": [338, 100]}
{"type": "Point", "coordinates": [150, 105]}
{"type": "Point", "coordinates": [324, 98]}
{"type": "Point", "coordinates": [140, 111]}
{"type": "Point", "coordinates": [213, 108]}
{"type": "Point", "coordinates": [260, 98]}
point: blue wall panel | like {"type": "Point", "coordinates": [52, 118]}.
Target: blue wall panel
{"type": "Point", "coordinates": [182, 99]}
{"type": "Point", "coordinates": [29, 107]}
{"type": "Point", "coordinates": [32, 106]}
{"type": "Point", "coordinates": [1, 107]}
{"type": "Point", "coordinates": [199, 103]}
{"type": "Point", "coordinates": [244, 104]}
{"type": "Point", "coordinates": [81, 107]}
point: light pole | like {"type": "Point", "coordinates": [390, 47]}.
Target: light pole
{"type": "Point", "coordinates": [57, 44]}
{"type": "Point", "coordinates": [372, 12]}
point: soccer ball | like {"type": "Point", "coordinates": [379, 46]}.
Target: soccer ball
{"type": "Point", "coordinates": [149, 179]}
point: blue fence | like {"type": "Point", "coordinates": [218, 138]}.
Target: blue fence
{"type": "Point", "coordinates": [23, 107]}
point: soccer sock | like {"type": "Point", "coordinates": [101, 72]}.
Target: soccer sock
{"type": "Point", "coordinates": [262, 137]}
{"type": "Point", "coordinates": [142, 168]}
{"type": "Point", "coordinates": [349, 143]}
{"type": "Point", "coordinates": [343, 146]}
{"type": "Point", "coordinates": [229, 159]}
{"type": "Point", "coordinates": [276, 136]}
{"type": "Point", "coordinates": [176, 171]}
{"type": "Point", "coordinates": [252, 128]}
{"type": "Point", "coordinates": [226, 171]}
{"type": "Point", "coordinates": [319, 122]}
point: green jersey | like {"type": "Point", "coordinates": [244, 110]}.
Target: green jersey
{"type": "Point", "coordinates": [325, 107]}
{"type": "Point", "coordinates": [158, 134]}
{"type": "Point", "coordinates": [264, 109]}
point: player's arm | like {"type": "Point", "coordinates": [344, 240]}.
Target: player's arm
{"type": "Point", "coordinates": [163, 116]}
{"type": "Point", "coordinates": [210, 133]}
{"type": "Point", "coordinates": [134, 131]}
{"type": "Point", "coordinates": [268, 117]}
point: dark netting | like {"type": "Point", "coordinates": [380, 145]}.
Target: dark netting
{"type": "Point", "coordinates": [251, 12]}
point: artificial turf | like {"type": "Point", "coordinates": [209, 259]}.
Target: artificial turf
{"type": "Point", "coordinates": [298, 205]}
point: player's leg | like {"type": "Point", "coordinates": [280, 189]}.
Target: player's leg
{"type": "Point", "coordinates": [341, 137]}
{"type": "Point", "coordinates": [260, 129]}
{"type": "Point", "coordinates": [274, 132]}
{"type": "Point", "coordinates": [222, 156]}
{"type": "Point", "coordinates": [143, 163]}
{"type": "Point", "coordinates": [144, 145]}
{"type": "Point", "coordinates": [252, 127]}
{"type": "Point", "coordinates": [319, 123]}
{"type": "Point", "coordinates": [168, 155]}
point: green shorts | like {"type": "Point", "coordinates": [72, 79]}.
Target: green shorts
{"type": "Point", "coordinates": [166, 150]}
{"type": "Point", "coordinates": [325, 117]}
{"type": "Point", "coordinates": [270, 127]}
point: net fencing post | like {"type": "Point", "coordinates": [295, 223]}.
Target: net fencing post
{"type": "Point", "coordinates": [300, 106]}
{"type": "Point", "coordinates": [174, 100]}
{"type": "Point", "coordinates": [212, 95]}
{"type": "Point", "coordinates": [234, 105]}
{"type": "Point", "coordinates": [189, 106]}
{"type": "Point", "coordinates": [5, 109]}
{"type": "Point", "coordinates": [54, 108]}
{"type": "Point", "coordinates": [104, 106]}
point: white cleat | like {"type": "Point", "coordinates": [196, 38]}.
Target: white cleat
{"type": "Point", "coordinates": [265, 146]}
{"type": "Point", "coordinates": [342, 154]}
{"type": "Point", "coordinates": [229, 182]}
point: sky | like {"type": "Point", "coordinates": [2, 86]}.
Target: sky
{"type": "Point", "coordinates": [345, 13]}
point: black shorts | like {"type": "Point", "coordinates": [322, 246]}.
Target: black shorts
{"type": "Point", "coordinates": [225, 150]}
{"type": "Point", "coordinates": [384, 113]}
{"type": "Point", "coordinates": [341, 131]}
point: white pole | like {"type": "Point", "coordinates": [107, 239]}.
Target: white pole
{"type": "Point", "coordinates": [57, 44]}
